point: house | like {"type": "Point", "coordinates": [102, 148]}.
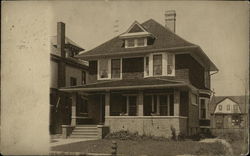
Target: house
{"type": "Point", "coordinates": [66, 70]}
{"type": "Point", "coordinates": [147, 80]}
{"type": "Point", "coordinates": [228, 113]}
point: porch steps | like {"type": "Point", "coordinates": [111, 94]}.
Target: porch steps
{"type": "Point", "coordinates": [85, 132]}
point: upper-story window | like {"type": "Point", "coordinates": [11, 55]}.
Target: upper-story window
{"type": "Point", "coordinates": [109, 69]}
{"type": "Point", "coordinates": [135, 42]}
{"type": "Point", "coordinates": [159, 64]}
{"type": "Point", "coordinates": [103, 68]}
{"type": "Point", "coordinates": [220, 107]}
{"type": "Point", "coordinates": [73, 81]}
{"type": "Point", "coordinates": [115, 68]}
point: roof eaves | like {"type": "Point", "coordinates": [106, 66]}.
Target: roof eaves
{"type": "Point", "coordinates": [136, 52]}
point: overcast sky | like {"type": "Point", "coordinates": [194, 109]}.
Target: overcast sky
{"type": "Point", "coordinates": [220, 28]}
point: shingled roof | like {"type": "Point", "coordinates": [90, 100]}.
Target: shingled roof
{"type": "Point", "coordinates": [241, 100]}
{"type": "Point", "coordinates": [164, 39]}
{"type": "Point", "coordinates": [126, 84]}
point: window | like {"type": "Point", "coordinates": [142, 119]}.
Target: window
{"type": "Point", "coordinates": [103, 68]}
{"type": "Point", "coordinates": [228, 107]}
{"type": "Point", "coordinates": [130, 42]}
{"type": "Point", "coordinates": [170, 64]}
{"type": "Point", "coordinates": [73, 81]}
{"type": "Point", "coordinates": [157, 64]}
{"type": "Point", "coordinates": [194, 99]}
{"type": "Point", "coordinates": [83, 77]}
{"type": "Point", "coordinates": [220, 107]}
{"type": "Point", "coordinates": [140, 42]}
{"type": "Point", "coordinates": [160, 64]}
{"type": "Point", "coordinates": [236, 120]}
{"type": "Point", "coordinates": [131, 105]}
{"type": "Point", "coordinates": [115, 68]}
{"type": "Point", "coordinates": [147, 66]}
{"type": "Point", "coordinates": [235, 107]}
{"type": "Point", "coordinates": [109, 68]}
{"type": "Point", "coordinates": [202, 109]}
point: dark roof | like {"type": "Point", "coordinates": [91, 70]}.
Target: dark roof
{"type": "Point", "coordinates": [241, 100]}
{"type": "Point", "coordinates": [68, 43]}
{"type": "Point", "coordinates": [165, 39]}
{"type": "Point", "coordinates": [126, 84]}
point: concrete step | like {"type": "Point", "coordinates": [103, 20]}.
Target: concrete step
{"type": "Point", "coordinates": [84, 136]}
{"type": "Point", "coordinates": [86, 126]}
{"type": "Point", "coordinates": [86, 130]}
{"type": "Point", "coordinates": [84, 133]}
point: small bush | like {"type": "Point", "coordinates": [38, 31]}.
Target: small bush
{"type": "Point", "coordinates": [125, 135]}
{"type": "Point", "coordinates": [231, 136]}
{"type": "Point", "coordinates": [214, 149]}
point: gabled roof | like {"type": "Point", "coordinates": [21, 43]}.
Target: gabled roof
{"type": "Point", "coordinates": [243, 101]}
{"type": "Point", "coordinates": [164, 40]}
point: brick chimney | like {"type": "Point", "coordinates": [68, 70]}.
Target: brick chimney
{"type": "Point", "coordinates": [61, 38]}
{"type": "Point", "coordinates": [170, 19]}
{"type": "Point", "coordinates": [61, 51]}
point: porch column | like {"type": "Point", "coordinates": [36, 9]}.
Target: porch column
{"type": "Point", "coordinates": [73, 109]}
{"type": "Point", "coordinates": [176, 102]}
{"type": "Point", "coordinates": [107, 103]}
{"type": "Point", "coordinates": [140, 103]}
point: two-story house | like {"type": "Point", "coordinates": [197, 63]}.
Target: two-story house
{"type": "Point", "coordinates": [147, 80]}
{"type": "Point", "coordinates": [66, 70]}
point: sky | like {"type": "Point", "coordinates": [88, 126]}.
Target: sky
{"type": "Point", "coordinates": [219, 28]}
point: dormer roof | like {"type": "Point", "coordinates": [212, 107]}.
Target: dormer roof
{"type": "Point", "coordinates": [135, 30]}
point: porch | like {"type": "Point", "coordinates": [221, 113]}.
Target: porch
{"type": "Point", "coordinates": [155, 112]}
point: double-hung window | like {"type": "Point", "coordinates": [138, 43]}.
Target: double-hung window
{"type": "Point", "coordinates": [159, 64]}
{"type": "Point", "coordinates": [109, 69]}
{"type": "Point", "coordinates": [115, 68]}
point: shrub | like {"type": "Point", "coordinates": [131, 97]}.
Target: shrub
{"type": "Point", "coordinates": [231, 136]}
{"type": "Point", "coordinates": [214, 149]}
{"type": "Point", "coordinates": [125, 135]}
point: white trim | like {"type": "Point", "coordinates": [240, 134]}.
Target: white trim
{"type": "Point", "coordinates": [206, 106]}
{"type": "Point", "coordinates": [135, 42]}
{"type": "Point", "coordinates": [109, 69]}
{"type": "Point", "coordinates": [164, 64]}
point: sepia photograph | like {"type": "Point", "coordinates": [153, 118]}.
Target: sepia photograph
{"type": "Point", "coordinates": [125, 78]}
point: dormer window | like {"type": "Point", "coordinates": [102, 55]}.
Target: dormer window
{"type": "Point", "coordinates": [159, 64]}
{"type": "Point", "coordinates": [130, 43]}
{"type": "Point", "coordinates": [136, 42]}
{"type": "Point", "coordinates": [136, 36]}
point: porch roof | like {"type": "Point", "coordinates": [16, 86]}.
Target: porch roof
{"type": "Point", "coordinates": [126, 84]}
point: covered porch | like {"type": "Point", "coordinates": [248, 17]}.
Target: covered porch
{"type": "Point", "coordinates": [155, 111]}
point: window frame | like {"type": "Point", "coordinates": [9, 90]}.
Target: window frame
{"type": "Point", "coordinates": [71, 81]}
{"type": "Point", "coordinates": [220, 107]}
{"type": "Point", "coordinates": [109, 70]}
{"type": "Point", "coordinates": [196, 101]}
{"type": "Point", "coordinates": [136, 42]}
{"type": "Point", "coordinates": [206, 107]}
{"type": "Point", "coordinates": [164, 65]}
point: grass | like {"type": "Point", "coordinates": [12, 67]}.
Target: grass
{"type": "Point", "coordinates": [146, 147]}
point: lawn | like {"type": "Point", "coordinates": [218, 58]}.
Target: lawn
{"type": "Point", "coordinates": [146, 147]}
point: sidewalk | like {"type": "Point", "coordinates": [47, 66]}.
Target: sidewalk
{"type": "Point", "coordinates": [60, 141]}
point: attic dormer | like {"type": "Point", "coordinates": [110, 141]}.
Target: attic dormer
{"type": "Point", "coordinates": [136, 36]}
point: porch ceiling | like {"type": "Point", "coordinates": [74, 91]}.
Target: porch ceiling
{"type": "Point", "coordinates": [127, 84]}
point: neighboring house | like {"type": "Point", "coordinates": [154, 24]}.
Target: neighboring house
{"type": "Point", "coordinates": [147, 80]}
{"type": "Point", "coordinates": [66, 70]}
{"type": "Point", "coordinates": [229, 112]}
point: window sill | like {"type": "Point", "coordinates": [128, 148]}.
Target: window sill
{"type": "Point", "coordinates": [195, 104]}
{"type": "Point", "coordinates": [159, 76]}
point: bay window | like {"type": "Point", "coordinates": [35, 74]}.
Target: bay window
{"type": "Point", "coordinates": [159, 64]}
